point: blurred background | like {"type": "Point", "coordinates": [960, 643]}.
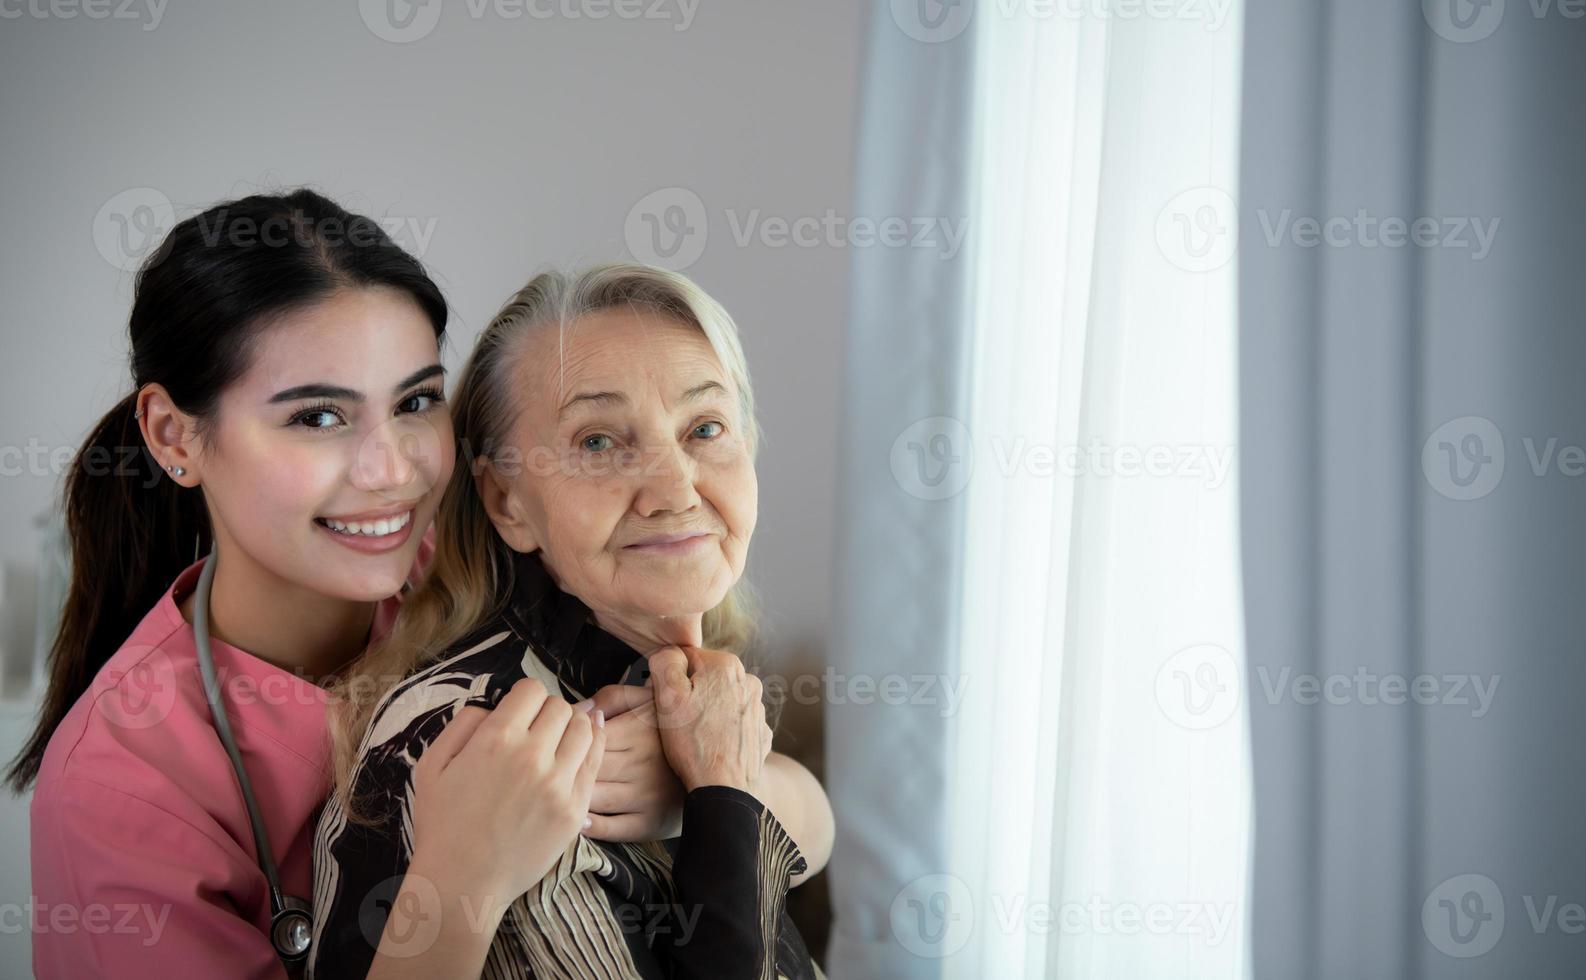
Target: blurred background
{"type": "Point", "coordinates": [1172, 512]}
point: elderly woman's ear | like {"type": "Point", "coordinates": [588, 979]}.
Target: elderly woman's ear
{"type": "Point", "coordinates": [504, 507]}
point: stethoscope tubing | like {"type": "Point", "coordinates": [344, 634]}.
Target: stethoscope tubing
{"type": "Point", "coordinates": [222, 722]}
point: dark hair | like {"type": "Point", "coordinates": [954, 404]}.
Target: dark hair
{"type": "Point", "coordinates": [201, 298]}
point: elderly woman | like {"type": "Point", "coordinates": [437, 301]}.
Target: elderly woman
{"type": "Point", "coordinates": [591, 551]}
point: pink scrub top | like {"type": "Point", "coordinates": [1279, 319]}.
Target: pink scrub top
{"type": "Point", "coordinates": [144, 862]}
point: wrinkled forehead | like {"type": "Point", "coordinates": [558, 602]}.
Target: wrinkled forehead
{"type": "Point", "coordinates": [623, 350]}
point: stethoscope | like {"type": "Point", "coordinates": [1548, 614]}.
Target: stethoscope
{"type": "Point", "coordinates": [291, 927]}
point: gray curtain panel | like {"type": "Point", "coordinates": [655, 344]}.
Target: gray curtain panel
{"type": "Point", "coordinates": [1414, 509]}
{"type": "Point", "coordinates": [898, 555]}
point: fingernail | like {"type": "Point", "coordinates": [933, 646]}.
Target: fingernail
{"type": "Point", "coordinates": [589, 822]}
{"type": "Point", "coordinates": [584, 705]}
{"type": "Point", "coordinates": [600, 719]}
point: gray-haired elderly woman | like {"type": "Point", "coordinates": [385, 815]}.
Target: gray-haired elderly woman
{"type": "Point", "coordinates": [589, 560]}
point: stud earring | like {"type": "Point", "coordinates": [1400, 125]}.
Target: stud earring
{"type": "Point", "coordinates": [176, 471]}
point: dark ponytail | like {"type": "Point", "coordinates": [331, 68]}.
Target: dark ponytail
{"type": "Point", "coordinates": [218, 278]}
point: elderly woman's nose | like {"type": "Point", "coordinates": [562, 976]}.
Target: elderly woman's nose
{"type": "Point", "coordinates": [666, 482]}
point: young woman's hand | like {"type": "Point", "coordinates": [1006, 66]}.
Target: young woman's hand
{"type": "Point", "coordinates": [500, 794]}
{"type": "Point", "coordinates": [497, 798]}
{"type": "Point", "coordinates": [637, 795]}
{"type": "Point", "coordinates": [710, 717]}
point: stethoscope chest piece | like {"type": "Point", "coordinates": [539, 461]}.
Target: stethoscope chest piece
{"type": "Point", "coordinates": [291, 929]}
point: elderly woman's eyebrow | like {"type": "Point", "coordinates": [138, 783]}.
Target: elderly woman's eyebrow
{"type": "Point", "coordinates": [598, 398]}
{"type": "Point", "coordinates": [612, 399]}
{"type": "Point", "coordinates": [323, 390]}
{"type": "Point", "coordinates": [701, 390]}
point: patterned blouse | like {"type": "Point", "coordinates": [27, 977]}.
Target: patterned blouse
{"type": "Point", "coordinates": [709, 903]}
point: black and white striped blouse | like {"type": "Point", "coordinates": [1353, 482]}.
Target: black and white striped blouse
{"type": "Point", "coordinates": [709, 903]}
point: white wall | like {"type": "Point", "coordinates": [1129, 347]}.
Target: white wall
{"type": "Point", "coordinates": [512, 142]}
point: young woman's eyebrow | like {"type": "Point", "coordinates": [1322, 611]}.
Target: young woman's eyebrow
{"type": "Point", "coordinates": [323, 390]}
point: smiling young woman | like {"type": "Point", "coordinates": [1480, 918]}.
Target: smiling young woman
{"type": "Point", "coordinates": [286, 412]}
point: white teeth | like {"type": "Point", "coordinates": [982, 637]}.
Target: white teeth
{"type": "Point", "coordinates": [373, 529]}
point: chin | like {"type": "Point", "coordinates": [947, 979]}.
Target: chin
{"type": "Point", "coordinates": [371, 584]}
{"type": "Point", "coordinates": [669, 600]}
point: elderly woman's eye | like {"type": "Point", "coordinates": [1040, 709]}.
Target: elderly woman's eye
{"type": "Point", "coordinates": [596, 444]}
{"type": "Point", "coordinates": [708, 430]}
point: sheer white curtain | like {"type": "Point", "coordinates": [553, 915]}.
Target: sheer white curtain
{"type": "Point", "coordinates": [1100, 785]}
{"type": "Point", "coordinates": [1064, 409]}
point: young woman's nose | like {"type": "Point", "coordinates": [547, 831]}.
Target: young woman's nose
{"type": "Point", "coordinates": [666, 481]}
{"type": "Point", "coordinates": [386, 459]}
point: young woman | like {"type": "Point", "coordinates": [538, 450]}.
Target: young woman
{"type": "Point", "coordinates": [287, 435]}
{"type": "Point", "coordinates": [590, 549]}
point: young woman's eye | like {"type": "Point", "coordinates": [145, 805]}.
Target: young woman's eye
{"type": "Point", "coordinates": [596, 443]}
{"type": "Point", "coordinates": [421, 401]}
{"type": "Point", "coordinates": [318, 417]}
{"type": "Point", "coordinates": [707, 430]}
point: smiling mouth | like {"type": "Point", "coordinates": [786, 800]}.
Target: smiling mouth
{"type": "Point", "coordinates": [669, 543]}
{"type": "Point", "coordinates": [367, 529]}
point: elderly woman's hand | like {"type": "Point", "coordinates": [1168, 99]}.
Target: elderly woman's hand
{"type": "Point", "coordinates": [637, 795]}
{"type": "Point", "coordinates": [710, 717]}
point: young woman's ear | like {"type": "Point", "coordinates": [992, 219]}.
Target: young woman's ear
{"type": "Point", "coordinates": [170, 434]}
{"type": "Point", "coordinates": [502, 506]}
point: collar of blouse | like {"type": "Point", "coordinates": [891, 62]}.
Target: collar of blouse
{"type": "Point", "coordinates": [584, 657]}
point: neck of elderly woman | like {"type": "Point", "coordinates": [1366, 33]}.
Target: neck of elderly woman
{"type": "Point", "coordinates": [650, 634]}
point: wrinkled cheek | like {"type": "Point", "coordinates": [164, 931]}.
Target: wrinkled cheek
{"type": "Point", "coordinates": [744, 504]}
{"type": "Point", "coordinates": [564, 534]}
